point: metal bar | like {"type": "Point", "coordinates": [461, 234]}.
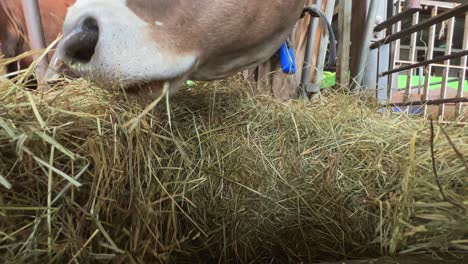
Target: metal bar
{"type": "Point", "coordinates": [424, 63]}
{"type": "Point", "coordinates": [407, 47]}
{"type": "Point", "coordinates": [318, 77]}
{"type": "Point", "coordinates": [306, 69]}
{"type": "Point", "coordinates": [430, 102]}
{"type": "Point", "coordinates": [460, 10]}
{"type": "Point", "coordinates": [364, 52]}
{"type": "Point", "coordinates": [432, 84]}
{"type": "Point", "coordinates": [344, 24]}
{"type": "Point", "coordinates": [412, 56]}
{"type": "Point", "coordinates": [392, 55]}
{"type": "Point", "coordinates": [438, 65]}
{"type": "Point", "coordinates": [382, 58]}
{"type": "Point", "coordinates": [439, 4]}
{"type": "Point", "coordinates": [461, 84]}
{"type": "Point", "coordinates": [420, 79]}
{"type": "Point", "coordinates": [448, 46]}
{"type": "Point", "coordinates": [35, 33]}
{"type": "Point", "coordinates": [397, 52]}
{"type": "Point", "coordinates": [396, 18]}
{"type": "Point", "coordinates": [411, 7]}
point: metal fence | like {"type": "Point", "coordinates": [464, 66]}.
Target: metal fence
{"type": "Point", "coordinates": [445, 102]}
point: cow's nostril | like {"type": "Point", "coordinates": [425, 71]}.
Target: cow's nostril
{"type": "Point", "coordinates": [80, 44]}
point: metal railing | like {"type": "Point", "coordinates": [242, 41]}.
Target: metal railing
{"type": "Point", "coordinates": [441, 12]}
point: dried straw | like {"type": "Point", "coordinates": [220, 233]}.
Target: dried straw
{"type": "Point", "coordinates": [231, 178]}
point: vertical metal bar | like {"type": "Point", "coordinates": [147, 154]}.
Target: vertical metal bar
{"type": "Point", "coordinates": [397, 51]}
{"type": "Point", "coordinates": [344, 22]}
{"type": "Point", "coordinates": [429, 56]}
{"type": "Point", "coordinates": [391, 30]}
{"type": "Point", "coordinates": [448, 50]}
{"type": "Point", "coordinates": [383, 59]}
{"type": "Point", "coordinates": [306, 69]}
{"type": "Point", "coordinates": [461, 82]}
{"type": "Point", "coordinates": [421, 78]}
{"type": "Point", "coordinates": [318, 77]}
{"type": "Point", "coordinates": [364, 51]}
{"type": "Point", "coordinates": [35, 32]}
{"type": "Point", "coordinates": [412, 57]}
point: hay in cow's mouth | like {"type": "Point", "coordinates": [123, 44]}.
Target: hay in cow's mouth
{"type": "Point", "coordinates": [227, 177]}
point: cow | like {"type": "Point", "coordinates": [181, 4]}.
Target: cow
{"type": "Point", "coordinates": [141, 44]}
{"type": "Point", "coordinates": [13, 32]}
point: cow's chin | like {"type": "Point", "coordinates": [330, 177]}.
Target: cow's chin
{"type": "Point", "coordinates": [147, 90]}
{"type": "Point", "coordinates": [154, 89]}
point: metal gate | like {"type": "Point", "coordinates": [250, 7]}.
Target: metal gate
{"type": "Point", "coordinates": [439, 54]}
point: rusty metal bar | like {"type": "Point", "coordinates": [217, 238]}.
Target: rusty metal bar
{"type": "Point", "coordinates": [411, 7]}
{"type": "Point", "coordinates": [430, 102]}
{"type": "Point", "coordinates": [424, 63]}
{"type": "Point", "coordinates": [460, 10]}
{"type": "Point", "coordinates": [395, 19]}
{"type": "Point", "coordinates": [448, 50]}
{"type": "Point", "coordinates": [35, 32]}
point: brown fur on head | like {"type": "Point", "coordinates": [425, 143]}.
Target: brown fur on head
{"type": "Point", "coordinates": [133, 42]}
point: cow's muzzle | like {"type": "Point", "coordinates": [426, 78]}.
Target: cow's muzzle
{"type": "Point", "coordinates": [79, 45]}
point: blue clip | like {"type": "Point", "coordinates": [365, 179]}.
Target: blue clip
{"type": "Point", "coordinates": [287, 60]}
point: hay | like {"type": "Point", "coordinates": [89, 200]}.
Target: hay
{"type": "Point", "coordinates": [230, 178]}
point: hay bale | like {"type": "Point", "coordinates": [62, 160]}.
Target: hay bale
{"type": "Point", "coordinates": [227, 177]}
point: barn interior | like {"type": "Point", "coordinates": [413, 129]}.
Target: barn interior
{"type": "Point", "coordinates": [360, 162]}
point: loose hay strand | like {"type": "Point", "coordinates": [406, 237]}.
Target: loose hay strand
{"type": "Point", "coordinates": [4, 182]}
{"type": "Point", "coordinates": [36, 112]}
{"type": "Point", "coordinates": [49, 196]}
{"type": "Point", "coordinates": [132, 124]}
{"type": "Point", "coordinates": [52, 168]}
{"type": "Point", "coordinates": [95, 233]}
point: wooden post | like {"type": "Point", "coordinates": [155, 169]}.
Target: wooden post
{"type": "Point", "coordinates": [358, 22]}
{"type": "Point", "coordinates": [344, 41]}
{"type": "Point", "coordinates": [364, 51]}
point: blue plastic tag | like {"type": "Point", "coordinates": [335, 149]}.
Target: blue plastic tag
{"type": "Point", "coordinates": [287, 60]}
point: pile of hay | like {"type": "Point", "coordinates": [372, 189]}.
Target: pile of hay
{"type": "Point", "coordinates": [219, 175]}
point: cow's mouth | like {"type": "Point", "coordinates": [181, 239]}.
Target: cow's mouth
{"type": "Point", "coordinates": [148, 89]}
